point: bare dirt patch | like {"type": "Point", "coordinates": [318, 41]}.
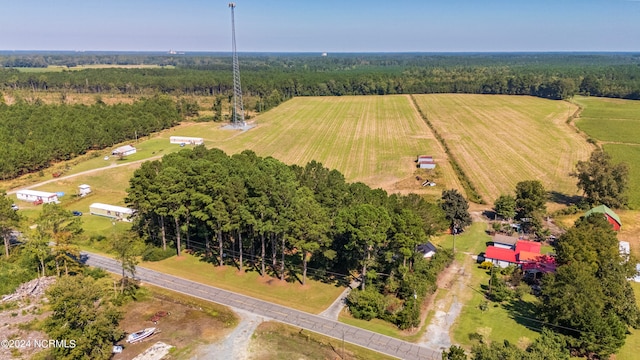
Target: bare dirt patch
{"type": "Point", "coordinates": [186, 326]}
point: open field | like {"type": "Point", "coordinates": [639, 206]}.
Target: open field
{"type": "Point", "coordinates": [501, 140]}
{"type": "Point", "coordinates": [373, 139]}
{"type": "Point", "coordinates": [629, 154]}
{"type": "Point", "coordinates": [609, 120]}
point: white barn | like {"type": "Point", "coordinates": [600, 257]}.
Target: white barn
{"type": "Point", "coordinates": [186, 140]}
{"type": "Point", "coordinates": [34, 195]}
{"type": "Point", "coordinates": [111, 211]}
{"type": "Point", "coordinates": [124, 150]}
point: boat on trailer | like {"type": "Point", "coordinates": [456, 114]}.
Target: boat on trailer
{"type": "Point", "coordinates": [140, 335]}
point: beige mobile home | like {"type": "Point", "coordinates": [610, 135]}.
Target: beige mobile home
{"type": "Point", "coordinates": [111, 211]}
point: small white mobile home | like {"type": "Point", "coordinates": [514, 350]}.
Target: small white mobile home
{"type": "Point", "coordinates": [111, 211]}
{"type": "Point", "coordinates": [186, 140]}
{"type": "Point", "coordinates": [124, 150]}
{"type": "Point", "coordinates": [37, 196]}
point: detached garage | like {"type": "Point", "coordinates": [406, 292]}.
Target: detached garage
{"type": "Point", "coordinates": [111, 211]}
{"type": "Point", "coordinates": [37, 196]}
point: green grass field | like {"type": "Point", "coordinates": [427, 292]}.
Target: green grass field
{"type": "Point", "coordinates": [502, 140]}
{"type": "Point", "coordinates": [314, 297]}
{"type": "Point", "coordinates": [629, 154]}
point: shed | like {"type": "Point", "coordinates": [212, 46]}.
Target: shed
{"type": "Point", "coordinates": [426, 164]}
{"type": "Point", "coordinates": [37, 196]}
{"type": "Point", "coordinates": [609, 214]}
{"type": "Point", "coordinates": [186, 140]}
{"type": "Point", "coordinates": [84, 190]}
{"type": "Point", "coordinates": [124, 150]}
{"type": "Point", "coordinates": [111, 211]}
{"type": "Point", "coordinates": [427, 250]}
{"type": "Point", "coordinates": [504, 241]}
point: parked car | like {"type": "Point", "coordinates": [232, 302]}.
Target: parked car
{"type": "Point", "coordinates": [14, 207]}
{"type": "Point", "coordinates": [76, 213]}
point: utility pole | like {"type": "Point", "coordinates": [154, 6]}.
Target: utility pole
{"type": "Point", "coordinates": [237, 115]}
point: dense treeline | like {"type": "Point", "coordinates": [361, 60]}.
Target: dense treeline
{"type": "Point", "coordinates": [277, 77]}
{"type": "Point", "coordinates": [288, 221]}
{"type": "Point", "coordinates": [34, 135]}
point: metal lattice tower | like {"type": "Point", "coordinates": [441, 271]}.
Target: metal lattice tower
{"type": "Point", "coordinates": [238, 107]}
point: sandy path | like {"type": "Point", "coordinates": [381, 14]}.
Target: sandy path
{"type": "Point", "coordinates": [235, 345]}
{"type": "Point", "coordinates": [447, 309]}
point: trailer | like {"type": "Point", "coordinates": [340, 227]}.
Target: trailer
{"type": "Point", "coordinates": [37, 197]}
{"type": "Point", "coordinates": [186, 140]}
{"type": "Point", "coordinates": [119, 213]}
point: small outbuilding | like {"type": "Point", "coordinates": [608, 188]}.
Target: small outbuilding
{"type": "Point", "coordinates": [37, 196]}
{"type": "Point", "coordinates": [609, 214]}
{"type": "Point", "coordinates": [505, 241]}
{"type": "Point", "coordinates": [111, 211]}
{"type": "Point", "coordinates": [84, 190]}
{"type": "Point", "coordinates": [186, 140]}
{"type": "Point", "coordinates": [425, 162]}
{"type": "Point", "coordinates": [124, 150]}
{"type": "Point", "coordinates": [427, 250]}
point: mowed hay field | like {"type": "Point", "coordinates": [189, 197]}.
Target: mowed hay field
{"type": "Point", "coordinates": [372, 139]}
{"type": "Point", "coordinates": [501, 140]}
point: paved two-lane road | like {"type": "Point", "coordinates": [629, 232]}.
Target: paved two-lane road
{"type": "Point", "coordinates": [384, 344]}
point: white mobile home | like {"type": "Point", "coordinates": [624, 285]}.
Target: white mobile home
{"type": "Point", "coordinates": [124, 150]}
{"type": "Point", "coordinates": [186, 140]}
{"type": "Point", "coordinates": [37, 196]}
{"type": "Point", "coordinates": [111, 211]}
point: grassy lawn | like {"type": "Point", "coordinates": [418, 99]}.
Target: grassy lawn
{"type": "Point", "coordinates": [273, 340]}
{"type": "Point", "coordinates": [610, 120]}
{"type": "Point", "coordinates": [502, 140]}
{"type": "Point", "coordinates": [313, 297]}
{"type": "Point", "coordinates": [473, 240]}
{"type": "Point", "coordinates": [496, 323]}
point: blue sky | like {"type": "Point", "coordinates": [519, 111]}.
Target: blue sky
{"type": "Point", "coordinates": [319, 26]}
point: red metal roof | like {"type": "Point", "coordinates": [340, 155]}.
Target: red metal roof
{"type": "Point", "coordinates": [497, 253]}
{"type": "Point", "coordinates": [528, 256]}
{"type": "Point", "coordinates": [529, 246]}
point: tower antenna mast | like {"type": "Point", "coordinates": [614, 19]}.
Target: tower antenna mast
{"type": "Point", "coordinates": [238, 108]}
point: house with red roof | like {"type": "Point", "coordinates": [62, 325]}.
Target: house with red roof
{"type": "Point", "coordinates": [525, 254]}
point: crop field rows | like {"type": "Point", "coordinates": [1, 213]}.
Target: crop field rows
{"type": "Point", "coordinates": [370, 139]}
{"type": "Point", "coordinates": [501, 140]}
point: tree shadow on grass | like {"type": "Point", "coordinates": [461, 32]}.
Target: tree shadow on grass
{"type": "Point", "coordinates": [524, 313]}
{"type": "Point", "coordinates": [564, 199]}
